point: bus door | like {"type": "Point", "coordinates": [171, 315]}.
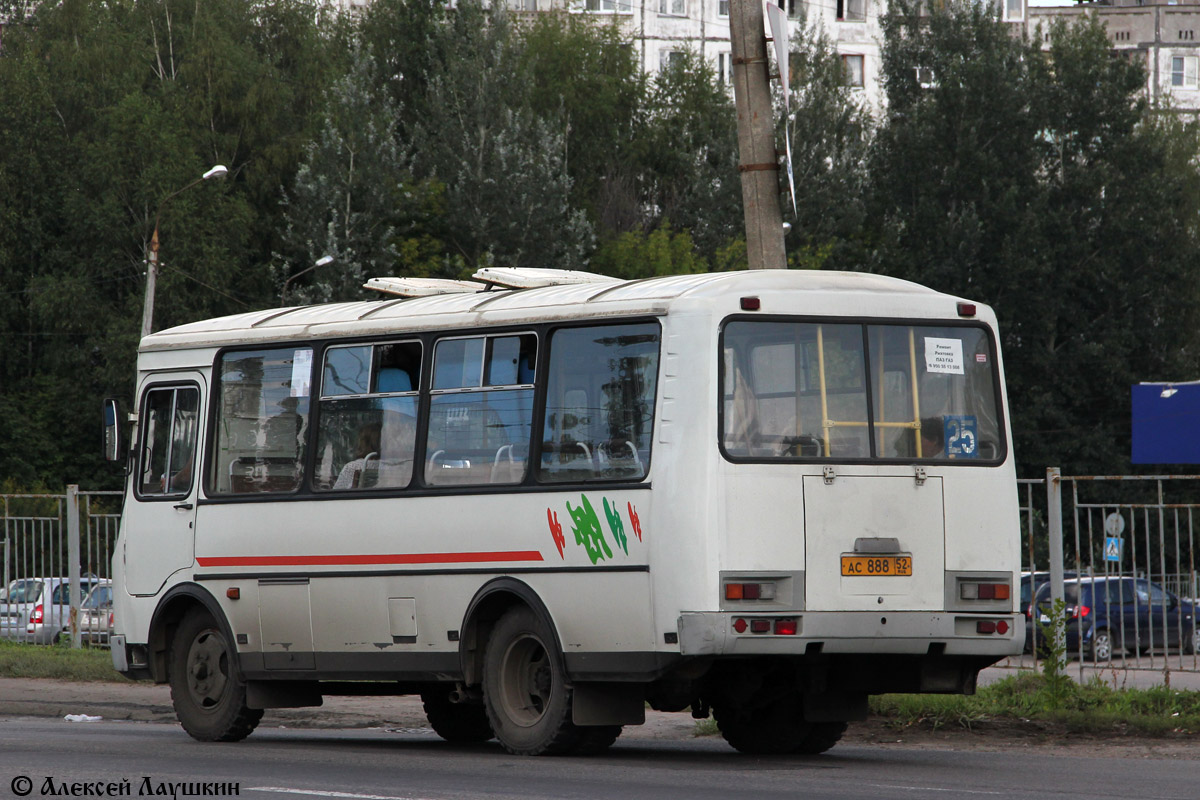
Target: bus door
{"type": "Point", "coordinates": [159, 525]}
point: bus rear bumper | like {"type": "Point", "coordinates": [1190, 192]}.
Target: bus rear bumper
{"type": "Point", "coordinates": [715, 633]}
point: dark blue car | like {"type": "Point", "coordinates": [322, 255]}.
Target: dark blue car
{"type": "Point", "coordinates": [1111, 614]}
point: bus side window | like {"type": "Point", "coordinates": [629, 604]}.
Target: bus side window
{"type": "Point", "coordinates": [480, 410]}
{"type": "Point", "coordinates": [262, 421]}
{"type": "Point", "coordinates": [600, 403]}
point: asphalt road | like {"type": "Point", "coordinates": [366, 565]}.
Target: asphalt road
{"type": "Point", "coordinates": [145, 759]}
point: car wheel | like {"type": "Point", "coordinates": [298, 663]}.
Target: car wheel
{"type": "Point", "coordinates": [1101, 649]}
{"type": "Point", "coordinates": [525, 690]}
{"type": "Point", "coordinates": [208, 692]}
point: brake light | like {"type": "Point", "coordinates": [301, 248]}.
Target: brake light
{"type": "Point", "coordinates": [38, 614]}
{"type": "Point", "coordinates": [1079, 612]}
{"type": "Point", "coordinates": [750, 591]}
{"type": "Point", "coordinates": [983, 591]}
{"type": "Point", "coordinates": [991, 626]}
{"type": "Point", "coordinates": [785, 627]}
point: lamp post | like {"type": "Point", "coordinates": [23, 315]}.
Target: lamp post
{"type": "Point", "coordinates": [322, 261]}
{"type": "Point", "coordinates": [219, 171]}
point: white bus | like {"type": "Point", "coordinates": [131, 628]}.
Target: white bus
{"type": "Point", "coordinates": [762, 495]}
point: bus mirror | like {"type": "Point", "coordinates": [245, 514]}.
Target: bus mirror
{"type": "Point", "coordinates": [112, 430]}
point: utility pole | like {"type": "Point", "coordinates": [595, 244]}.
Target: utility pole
{"type": "Point", "coordinates": [758, 161]}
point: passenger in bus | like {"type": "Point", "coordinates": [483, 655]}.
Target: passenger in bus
{"type": "Point", "coordinates": [367, 451]}
{"type": "Point", "coordinates": [932, 437]}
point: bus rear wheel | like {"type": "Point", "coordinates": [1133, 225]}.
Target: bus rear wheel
{"type": "Point", "coordinates": [525, 689]}
{"type": "Point", "coordinates": [460, 723]}
{"type": "Point", "coordinates": [208, 694]}
{"type": "Point", "coordinates": [771, 729]}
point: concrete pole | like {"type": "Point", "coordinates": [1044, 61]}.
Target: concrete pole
{"type": "Point", "coordinates": [758, 161]}
{"type": "Point", "coordinates": [73, 557]}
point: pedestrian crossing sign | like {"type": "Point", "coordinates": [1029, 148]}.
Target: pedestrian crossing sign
{"type": "Point", "coordinates": [1114, 548]}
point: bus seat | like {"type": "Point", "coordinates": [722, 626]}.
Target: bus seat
{"type": "Point", "coordinates": [393, 379]}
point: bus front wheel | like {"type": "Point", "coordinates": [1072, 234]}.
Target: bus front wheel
{"type": "Point", "coordinates": [525, 689]}
{"type": "Point", "coordinates": [208, 694]}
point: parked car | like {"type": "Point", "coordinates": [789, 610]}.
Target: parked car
{"type": "Point", "coordinates": [96, 614]}
{"type": "Point", "coordinates": [38, 610]}
{"type": "Point", "coordinates": [1111, 614]}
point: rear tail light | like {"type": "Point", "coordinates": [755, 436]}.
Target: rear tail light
{"type": "Point", "coordinates": [1079, 612]}
{"type": "Point", "coordinates": [785, 627]}
{"type": "Point", "coordinates": [983, 591]}
{"type": "Point", "coordinates": [991, 626]}
{"type": "Point", "coordinates": [38, 614]}
{"type": "Point", "coordinates": [750, 591]}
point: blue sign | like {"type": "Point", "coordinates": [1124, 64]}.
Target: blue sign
{"type": "Point", "coordinates": [1166, 424]}
{"type": "Point", "coordinates": [1114, 548]}
{"type": "Point", "coordinates": [961, 436]}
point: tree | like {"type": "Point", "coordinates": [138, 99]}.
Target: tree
{"type": "Point", "coordinates": [1041, 184]}
{"type": "Point", "coordinates": [507, 191]}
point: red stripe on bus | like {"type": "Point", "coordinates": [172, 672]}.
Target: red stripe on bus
{"type": "Point", "coordinates": [382, 558]}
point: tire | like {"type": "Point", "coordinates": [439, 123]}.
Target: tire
{"type": "Point", "coordinates": [525, 690]}
{"type": "Point", "coordinates": [823, 736]}
{"type": "Point", "coordinates": [770, 729]}
{"type": "Point", "coordinates": [460, 723]}
{"type": "Point", "coordinates": [1101, 648]}
{"type": "Point", "coordinates": [208, 693]}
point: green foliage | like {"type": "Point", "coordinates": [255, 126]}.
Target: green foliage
{"type": "Point", "coordinates": [640, 255]}
{"type": "Point", "coordinates": [59, 662]}
{"type": "Point", "coordinates": [1041, 184]}
{"type": "Point", "coordinates": [1091, 708]}
{"type": "Point", "coordinates": [1053, 642]}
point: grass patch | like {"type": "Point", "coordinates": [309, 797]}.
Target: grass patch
{"type": "Point", "coordinates": [1094, 707]}
{"type": "Point", "coordinates": [57, 661]}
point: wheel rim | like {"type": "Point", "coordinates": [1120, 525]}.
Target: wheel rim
{"type": "Point", "coordinates": [526, 681]}
{"type": "Point", "coordinates": [207, 669]}
{"type": "Point", "coordinates": [1103, 647]}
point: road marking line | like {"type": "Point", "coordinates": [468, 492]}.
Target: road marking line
{"type": "Point", "coordinates": [931, 789]}
{"type": "Point", "coordinates": [320, 793]}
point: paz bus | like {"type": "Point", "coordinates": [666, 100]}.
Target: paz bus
{"type": "Point", "coordinates": [544, 500]}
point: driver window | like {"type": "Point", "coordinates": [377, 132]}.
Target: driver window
{"type": "Point", "coordinates": [168, 441]}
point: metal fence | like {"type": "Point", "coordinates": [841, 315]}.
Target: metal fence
{"type": "Point", "coordinates": [1117, 527]}
{"type": "Point", "coordinates": [46, 535]}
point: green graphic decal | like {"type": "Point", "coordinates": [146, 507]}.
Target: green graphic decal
{"type": "Point", "coordinates": [588, 532]}
{"type": "Point", "coordinates": [616, 526]}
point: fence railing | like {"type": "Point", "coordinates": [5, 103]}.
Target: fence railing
{"type": "Point", "coordinates": [68, 535]}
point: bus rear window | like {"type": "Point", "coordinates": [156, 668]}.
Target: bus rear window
{"type": "Point", "coordinates": [851, 391]}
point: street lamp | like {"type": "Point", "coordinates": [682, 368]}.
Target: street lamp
{"type": "Point", "coordinates": [219, 171]}
{"type": "Point", "coordinates": [322, 261]}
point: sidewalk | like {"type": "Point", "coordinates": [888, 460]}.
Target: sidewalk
{"type": "Point", "coordinates": [1117, 678]}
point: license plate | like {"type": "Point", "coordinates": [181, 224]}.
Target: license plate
{"type": "Point", "coordinates": [876, 566]}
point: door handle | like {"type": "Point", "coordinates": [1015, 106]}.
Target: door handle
{"type": "Point", "coordinates": [183, 506]}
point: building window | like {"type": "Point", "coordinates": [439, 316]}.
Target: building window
{"type": "Point", "coordinates": [607, 6]}
{"type": "Point", "coordinates": [723, 8]}
{"type": "Point", "coordinates": [925, 77]}
{"type": "Point", "coordinates": [1183, 71]}
{"type": "Point", "coordinates": [852, 68]}
{"type": "Point", "coordinates": [672, 8]}
{"type": "Point", "coordinates": [852, 10]}
{"type": "Point", "coordinates": [725, 69]}
{"type": "Point", "coordinates": [1014, 10]}
{"type": "Point", "coordinates": [668, 59]}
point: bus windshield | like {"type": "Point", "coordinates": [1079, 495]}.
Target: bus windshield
{"type": "Point", "coordinates": [822, 390]}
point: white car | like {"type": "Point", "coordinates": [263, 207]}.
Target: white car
{"type": "Point", "coordinates": [38, 610]}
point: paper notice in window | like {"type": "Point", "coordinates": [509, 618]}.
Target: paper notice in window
{"type": "Point", "coordinates": [944, 356]}
{"type": "Point", "coordinates": [302, 372]}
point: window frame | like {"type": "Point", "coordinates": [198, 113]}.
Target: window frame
{"type": "Point", "coordinates": [1184, 61]}
{"type": "Point", "coordinates": [869, 388]}
{"type": "Point", "coordinates": [417, 486]}
{"type": "Point", "coordinates": [211, 441]}
{"type": "Point", "coordinates": [174, 386]}
{"type": "Point", "coordinates": [847, 73]}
